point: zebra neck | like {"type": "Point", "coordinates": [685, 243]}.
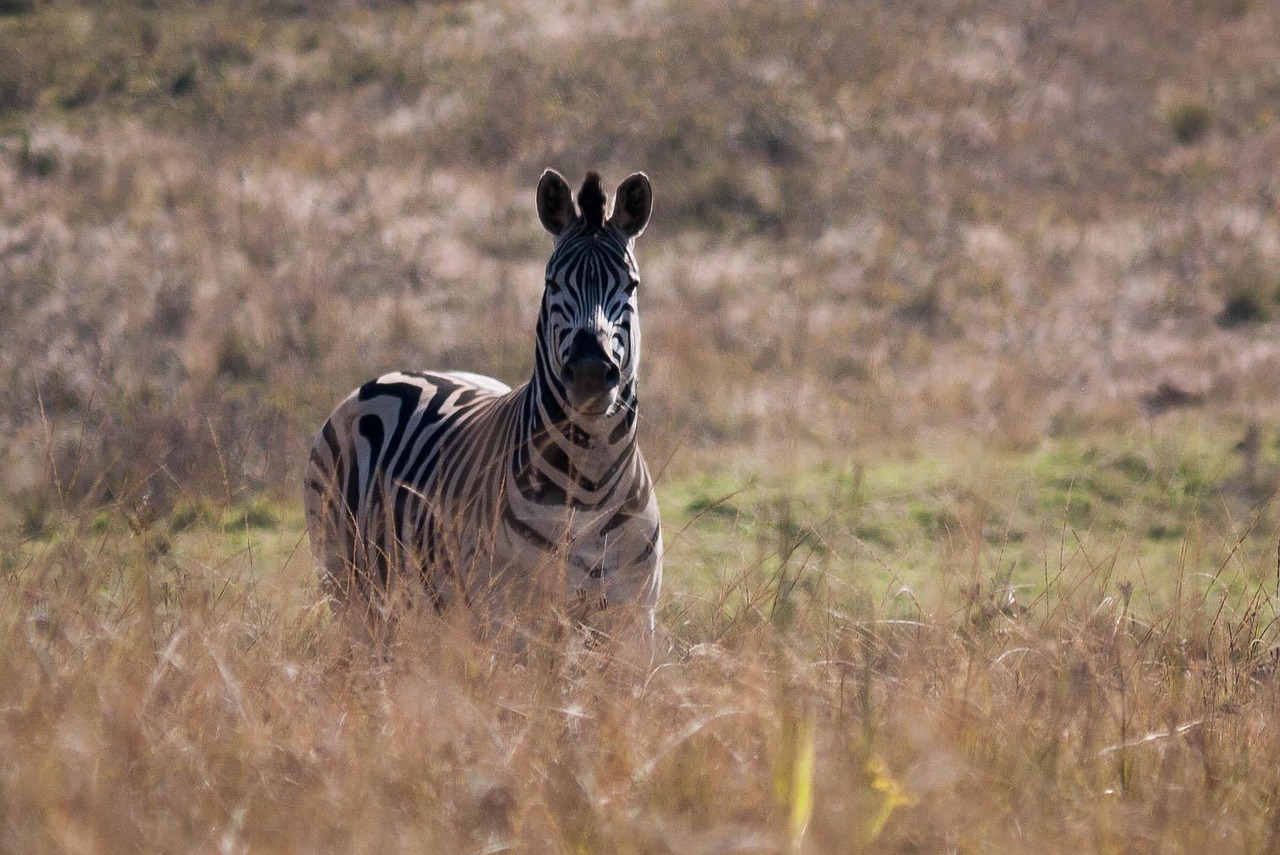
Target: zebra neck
{"type": "Point", "coordinates": [563, 456]}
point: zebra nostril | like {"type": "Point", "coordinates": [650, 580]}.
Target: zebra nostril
{"type": "Point", "coordinates": [612, 377]}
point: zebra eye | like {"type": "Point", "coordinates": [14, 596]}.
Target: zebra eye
{"type": "Point", "coordinates": [631, 286]}
{"type": "Point", "coordinates": [553, 286]}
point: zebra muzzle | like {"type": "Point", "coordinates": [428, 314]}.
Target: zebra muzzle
{"type": "Point", "coordinates": [591, 383]}
{"type": "Point", "coordinates": [590, 377]}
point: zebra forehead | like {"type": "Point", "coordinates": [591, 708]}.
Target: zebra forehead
{"type": "Point", "coordinates": [586, 256]}
{"type": "Point", "coordinates": [604, 243]}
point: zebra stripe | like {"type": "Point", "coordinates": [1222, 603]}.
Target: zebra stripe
{"type": "Point", "coordinates": [505, 498]}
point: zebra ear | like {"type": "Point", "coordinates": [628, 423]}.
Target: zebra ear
{"type": "Point", "coordinates": [633, 203]}
{"type": "Point", "coordinates": [555, 202]}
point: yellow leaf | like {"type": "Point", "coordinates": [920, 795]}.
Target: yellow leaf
{"type": "Point", "coordinates": [801, 785]}
{"type": "Point", "coordinates": [894, 795]}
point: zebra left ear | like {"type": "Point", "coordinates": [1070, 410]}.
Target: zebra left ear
{"type": "Point", "coordinates": [632, 205]}
{"type": "Point", "coordinates": [555, 202]}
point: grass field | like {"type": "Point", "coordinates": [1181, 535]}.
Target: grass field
{"type": "Point", "coordinates": [961, 380]}
{"type": "Point", "coordinates": [1073, 648]}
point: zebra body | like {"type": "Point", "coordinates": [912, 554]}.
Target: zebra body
{"type": "Point", "coordinates": [504, 499]}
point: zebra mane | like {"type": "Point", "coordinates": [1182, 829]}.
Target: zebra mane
{"type": "Point", "coordinates": [591, 201]}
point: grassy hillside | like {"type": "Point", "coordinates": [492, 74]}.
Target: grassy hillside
{"type": "Point", "coordinates": [955, 315]}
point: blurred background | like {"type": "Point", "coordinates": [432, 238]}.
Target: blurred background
{"type": "Point", "coordinates": [880, 230]}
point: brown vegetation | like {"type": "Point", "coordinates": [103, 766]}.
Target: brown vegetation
{"type": "Point", "coordinates": [953, 314]}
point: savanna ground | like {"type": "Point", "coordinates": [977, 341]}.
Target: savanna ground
{"type": "Point", "coordinates": [956, 316]}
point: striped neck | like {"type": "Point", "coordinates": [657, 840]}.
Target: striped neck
{"type": "Point", "coordinates": [566, 458]}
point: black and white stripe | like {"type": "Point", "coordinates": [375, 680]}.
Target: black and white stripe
{"type": "Point", "coordinates": [504, 498]}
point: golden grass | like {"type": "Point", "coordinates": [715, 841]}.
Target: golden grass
{"type": "Point", "coordinates": [195, 695]}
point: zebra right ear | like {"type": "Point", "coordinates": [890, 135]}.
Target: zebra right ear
{"type": "Point", "coordinates": [555, 202]}
{"type": "Point", "coordinates": [633, 205]}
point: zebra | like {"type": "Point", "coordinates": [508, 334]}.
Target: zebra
{"type": "Point", "coordinates": [507, 499]}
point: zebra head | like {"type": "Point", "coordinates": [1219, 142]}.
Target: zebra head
{"type": "Point", "coordinates": [588, 327]}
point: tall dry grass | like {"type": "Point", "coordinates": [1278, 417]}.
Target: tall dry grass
{"type": "Point", "coordinates": [193, 694]}
{"type": "Point", "coordinates": [974, 218]}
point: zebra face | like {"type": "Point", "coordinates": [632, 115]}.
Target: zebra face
{"type": "Point", "coordinates": [589, 335]}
